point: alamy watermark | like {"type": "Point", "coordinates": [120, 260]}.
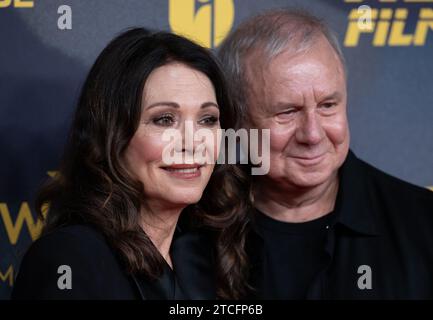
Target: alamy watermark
{"type": "Point", "coordinates": [233, 146]}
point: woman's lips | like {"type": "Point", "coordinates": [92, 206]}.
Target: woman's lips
{"type": "Point", "coordinates": [184, 171]}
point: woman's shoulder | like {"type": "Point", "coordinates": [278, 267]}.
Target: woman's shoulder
{"type": "Point", "coordinates": [72, 234]}
{"type": "Point", "coordinates": [70, 242]}
{"type": "Point", "coordinates": [71, 262]}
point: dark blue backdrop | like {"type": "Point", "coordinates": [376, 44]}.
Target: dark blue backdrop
{"type": "Point", "coordinates": [42, 68]}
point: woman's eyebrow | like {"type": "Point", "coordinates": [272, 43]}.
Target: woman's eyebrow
{"type": "Point", "coordinates": [176, 105]}
{"type": "Point", "coordinates": [163, 104]}
{"type": "Point", "coordinates": [209, 104]}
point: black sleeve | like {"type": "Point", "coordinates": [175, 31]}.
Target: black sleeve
{"type": "Point", "coordinates": [39, 272]}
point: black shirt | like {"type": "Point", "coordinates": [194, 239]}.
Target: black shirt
{"type": "Point", "coordinates": [295, 253]}
{"type": "Point", "coordinates": [97, 272]}
{"type": "Point", "coordinates": [379, 247]}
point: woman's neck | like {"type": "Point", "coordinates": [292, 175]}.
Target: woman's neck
{"type": "Point", "coordinates": [159, 223]}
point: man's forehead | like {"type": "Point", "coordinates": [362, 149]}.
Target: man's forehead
{"type": "Point", "coordinates": [258, 63]}
{"type": "Point", "coordinates": [296, 75]}
{"type": "Point", "coordinates": [289, 71]}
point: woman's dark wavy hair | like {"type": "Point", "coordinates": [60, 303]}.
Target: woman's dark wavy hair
{"type": "Point", "coordinates": [93, 185]}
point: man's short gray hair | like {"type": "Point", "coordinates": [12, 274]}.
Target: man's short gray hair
{"type": "Point", "coordinates": [269, 34]}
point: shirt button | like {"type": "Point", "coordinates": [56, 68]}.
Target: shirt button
{"type": "Point", "coordinates": [327, 227]}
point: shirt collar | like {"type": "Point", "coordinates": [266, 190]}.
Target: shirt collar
{"type": "Point", "coordinates": [353, 206]}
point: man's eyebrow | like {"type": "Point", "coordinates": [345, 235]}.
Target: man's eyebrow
{"type": "Point", "coordinates": [177, 106]}
{"type": "Point", "coordinates": [336, 95]}
{"type": "Point", "coordinates": [281, 105]}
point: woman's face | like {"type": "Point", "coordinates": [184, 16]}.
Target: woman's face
{"type": "Point", "coordinates": [178, 97]}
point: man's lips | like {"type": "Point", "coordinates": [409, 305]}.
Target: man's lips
{"type": "Point", "coordinates": [309, 160]}
{"type": "Point", "coordinates": [308, 157]}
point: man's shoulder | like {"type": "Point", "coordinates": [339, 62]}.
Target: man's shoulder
{"type": "Point", "coordinates": [394, 186]}
{"type": "Point", "coordinates": [398, 203]}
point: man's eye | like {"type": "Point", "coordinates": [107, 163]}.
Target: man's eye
{"type": "Point", "coordinates": [290, 111]}
{"type": "Point", "coordinates": [286, 113]}
{"type": "Point", "coordinates": [328, 105]}
{"type": "Point", "coordinates": [164, 120]}
{"type": "Point", "coordinates": [211, 120]}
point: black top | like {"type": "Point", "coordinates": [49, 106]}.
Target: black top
{"type": "Point", "coordinates": [295, 253]}
{"type": "Point", "coordinates": [98, 274]}
{"type": "Point", "coordinates": [379, 247]}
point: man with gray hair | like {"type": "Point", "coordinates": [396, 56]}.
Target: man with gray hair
{"type": "Point", "coordinates": [326, 224]}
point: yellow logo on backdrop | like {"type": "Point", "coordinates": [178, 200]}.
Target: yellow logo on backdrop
{"type": "Point", "coordinates": [8, 275]}
{"type": "Point", "coordinates": [16, 3]}
{"type": "Point", "coordinates": [206, 22]}
{"type": "Point", "coordinates": [387, 26]}
{"type": "Point", "coordinates": [24, 216]}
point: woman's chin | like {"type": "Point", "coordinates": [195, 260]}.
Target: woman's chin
{"type": "Point", "coordinates": [185, 198]}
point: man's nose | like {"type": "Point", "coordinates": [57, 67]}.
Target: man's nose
{"type": "Point", "coordinates": [309, 130]}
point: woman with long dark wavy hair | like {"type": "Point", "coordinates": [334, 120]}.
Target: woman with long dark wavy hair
{"type": "Point", "coordinates": [122, 223]}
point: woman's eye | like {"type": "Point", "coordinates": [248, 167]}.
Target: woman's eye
{"type": "Point", "coordinates": [211, 120]}
{"type": "Point", "coordinates": [164, 120]}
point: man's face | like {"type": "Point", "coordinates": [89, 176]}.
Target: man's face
{"type": "Point", "coordinates": [302, 100]}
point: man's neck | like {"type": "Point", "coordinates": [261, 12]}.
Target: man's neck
{"type": "Point", "coordinates": [292, 204]}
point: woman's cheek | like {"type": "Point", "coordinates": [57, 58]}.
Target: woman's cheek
{"type": "Point", "coordinates": [216, 146]}
{"type": "Point", "coordinates": [144, 149]}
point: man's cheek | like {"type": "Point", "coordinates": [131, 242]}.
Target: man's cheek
{"type": "Point", "coordinates": [338, 132]}
{"type": "Point", "coordinates": [279, 138]}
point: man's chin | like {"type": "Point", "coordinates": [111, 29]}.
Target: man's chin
{"type": "Point", "coordinates": [310, 180]}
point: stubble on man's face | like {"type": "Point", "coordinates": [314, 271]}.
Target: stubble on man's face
{"type": "Point", "coordinates": [302, 99]}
